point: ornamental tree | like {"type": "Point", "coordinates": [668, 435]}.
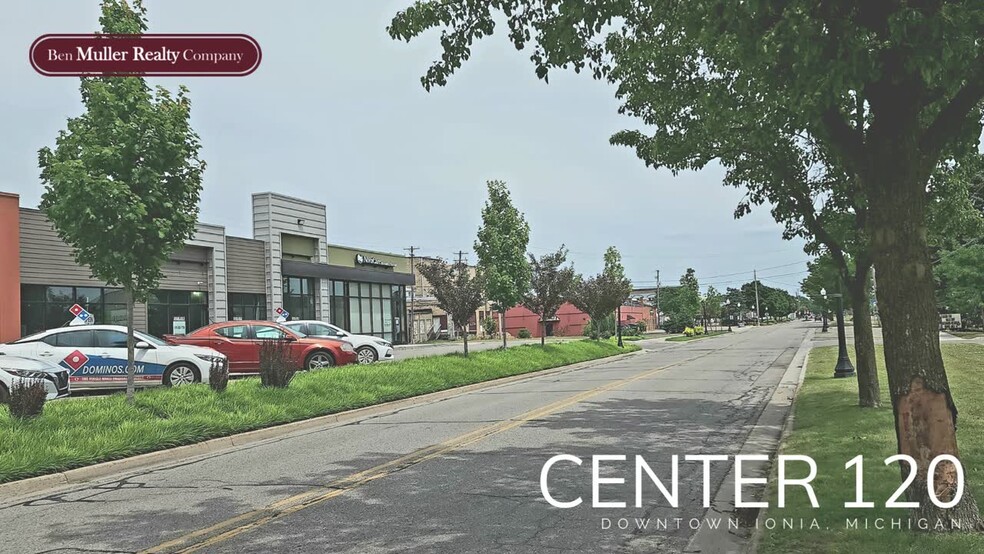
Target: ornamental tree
{"type": "Point", "coordinates": [599, 296]}
{"type": "Point", "coordinates": [550, 285]}
{"type": "Point", "coordinates": [123, 182]}
{"type": "Point", "coordinates": [458, 292]}
{"type": "Point", "coordinates": [501, 249]}
{"type": "Point", "coordinates": [615, 273]}
{"type": "Point", "coordinates": [886, 90]}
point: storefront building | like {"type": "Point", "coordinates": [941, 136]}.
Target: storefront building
{"type": "Point", "coordinates": [287, 264]}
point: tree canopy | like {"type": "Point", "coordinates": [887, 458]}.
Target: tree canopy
{"type": "Point", "coordinates": [123, 182]}
{"type": "Point", "coordinates": [550, 285]}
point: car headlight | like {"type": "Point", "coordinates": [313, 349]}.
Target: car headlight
{"type": "Point", "coordinates": [27, 374]}
{"type": "Point", "coordinates": [346, 347]}
{"type": "Point", "coordinates": [385, 343]}
{"type": "Point", "coordinates": [216, 361]}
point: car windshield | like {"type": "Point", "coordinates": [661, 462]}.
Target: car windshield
{"type": "Point", "coordinates": [149, 338]}
{"type": "Point", "coordinates": [296, 329]}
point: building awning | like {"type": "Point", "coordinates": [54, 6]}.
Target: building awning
{"type": "Point", "coordinates": [298, 268]}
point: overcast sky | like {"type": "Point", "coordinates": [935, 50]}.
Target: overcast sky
{"type": "Point", "coordinates": [336, 114]}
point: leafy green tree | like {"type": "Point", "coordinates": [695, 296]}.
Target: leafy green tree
{"type": "Point", "coordinates": [963, 271]}
{"type": "Point", "coordinates": [122, 184]}
{"type": "Point", "coordinates": [458, 292]}
{"type": "Point", "coordinates": [683, 305]}
{"type": "Point", "coordinates": [616, 274]}
{"type": "Point", "coordinates": [501, 249]}
{"type": "Point", "coordinates": [550, 285]}
{"type": "Point", "coordinates": [713, 301]}
{"type": "Point", "coordinates": [601, 295]}
{"type": "Point", "coordinates": [885, 90]}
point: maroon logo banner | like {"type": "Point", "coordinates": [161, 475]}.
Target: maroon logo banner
{"type": "Point", "coordinates": [149, 55]}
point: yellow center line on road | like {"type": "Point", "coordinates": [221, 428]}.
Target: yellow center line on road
{"type": "Point", "coordinates": [225, 530]}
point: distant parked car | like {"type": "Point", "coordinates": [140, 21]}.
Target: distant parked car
{"type": "Point", "coordinates": [240, 341]}
{"type": "Point", "coordinates": [18, 370]}
{"type": "Point", "coordinates": [368, 348]}
{"type": "Point", "coordinates": [96, 357]}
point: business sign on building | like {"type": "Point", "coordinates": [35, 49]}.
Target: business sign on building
{"type": "Point", "coordinates": [362, 259]}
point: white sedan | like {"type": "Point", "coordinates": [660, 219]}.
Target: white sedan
{"type": "Point", "coordinates": [95, 356]}
{"type": "Point", "coordinates": [15, 370]}
{"type": "Point", "coordinates": [369, 348]}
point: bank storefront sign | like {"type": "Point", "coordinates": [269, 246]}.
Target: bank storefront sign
{"type": "Point", "coordinates": [362, 259]}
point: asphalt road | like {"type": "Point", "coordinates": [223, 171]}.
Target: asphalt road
{"type": "Point", "coordinates": [457, 475]}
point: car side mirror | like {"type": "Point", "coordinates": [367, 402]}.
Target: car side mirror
{"type": "Point", "coordinates": [290, 338]}
{"type": "Point", "coordinates": [342, 334]}
{"type": "Point", "coordinates": [143, 345]}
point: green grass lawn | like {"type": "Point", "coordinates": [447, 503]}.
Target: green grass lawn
{"type": "Point", "coordinates": [84, 431]}
{"type": "Point", "coordinates": [829, 427]}
{"type": "Point", "coordinates": [684, 338]}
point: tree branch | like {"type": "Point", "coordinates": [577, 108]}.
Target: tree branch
{"type": "Point", "coordinates": [947, 122]}
{"type": "Point", "coordinates": [845, 140]}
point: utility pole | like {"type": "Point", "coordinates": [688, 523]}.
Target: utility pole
{"type": "Point", "coordinates": [758, 320]}
{"type": "Point", "coordinates": [461, 254]}
{"type": "Point", "coordinates": [412, 320]}
{"type": "Point", "coordinates": [658, 312]}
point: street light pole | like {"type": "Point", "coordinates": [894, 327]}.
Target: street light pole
{"type": "Point", "coordinates": [843, 367]}
{"type": "Point", "coordinates": [728, 309]}
{"type": "Point", "coordinates": [823, 293]}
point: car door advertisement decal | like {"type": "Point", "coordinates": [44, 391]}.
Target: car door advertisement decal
{"type": "Point", "coordinates": [84, 367]}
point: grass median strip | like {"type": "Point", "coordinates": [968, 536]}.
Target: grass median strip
{"type": "Point", "coordinates": [832, 429]}
{"type": "Point", "coordinates": [86, 431]}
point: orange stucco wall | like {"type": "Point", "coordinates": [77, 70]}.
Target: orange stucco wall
{"type": "Point", "coordinates": [9, 267]}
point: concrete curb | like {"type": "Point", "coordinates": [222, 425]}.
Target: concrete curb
{"type": "Point", "coordinates": [11, 491]}
{"type": "Point", "coordinates": [770, 429]}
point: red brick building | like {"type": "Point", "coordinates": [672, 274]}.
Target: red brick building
{"type": "Point", "coordinates": [569, 322]}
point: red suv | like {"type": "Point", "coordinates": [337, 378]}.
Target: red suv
{"type": "Point", "coordinates": [240, 341]}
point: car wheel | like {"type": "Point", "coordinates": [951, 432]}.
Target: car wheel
{"type": "Point", "coordinates": [367, 355]}
{"type": "Point", "coordinates": [4, 395]}
{"type": "Point", "coordinates": [319, 360]}
{"type": "Point", "coordinates": [180, 374]}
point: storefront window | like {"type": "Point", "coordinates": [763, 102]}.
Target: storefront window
{"type": "Point", "coordinates": [46, 307]}
{"type": "Point", "coordinates": [299, 295]}
{"type": "Point", "coordinates": [166, 309]}
{"type": "Point", "coordinates": [368, 308]}
{"type": "Point", "coordinates": [244, 305]}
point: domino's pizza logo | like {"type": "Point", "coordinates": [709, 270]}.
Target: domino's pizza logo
{"type": "Point", "coordinates": [79, 312]}
{"type": "Point", "coordinates": [75, 360]}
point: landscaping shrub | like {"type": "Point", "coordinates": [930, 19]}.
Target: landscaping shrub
{"type": "Point", "coordinates": [601, 329]}
{"type": "Point", "coordinates": [490, 326]}
{"type": "Point", "coordinates": [689, 331]}
{"type": "Point", "coordinates": [276, 366]}
{"type": "Point", "coordinates": [524, 333]}
{"type": "Point", "coordinates": [218, 378]}
{"type": "Point", "coordinates": [699, 330]}
{"type": "Point", "coordinates": [27, 399]}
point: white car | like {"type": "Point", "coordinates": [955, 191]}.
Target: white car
{"type": "Point", "coordinates": [15, 370]}
{"type": "Point", "coordinates": [95, 356]}
{"type": "Point", "coordinates": [369, 348]}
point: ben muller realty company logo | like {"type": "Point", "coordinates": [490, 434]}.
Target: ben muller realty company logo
{"type": "Point", "coordinates": [149, 55]}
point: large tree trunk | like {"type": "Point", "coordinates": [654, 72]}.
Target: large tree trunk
{"type": "Point", "coordinates": [130, 366]}
{"type": "Point", "coordinates": [869, 390]}
{"type": "Point", "coordinates": [925, 414]}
